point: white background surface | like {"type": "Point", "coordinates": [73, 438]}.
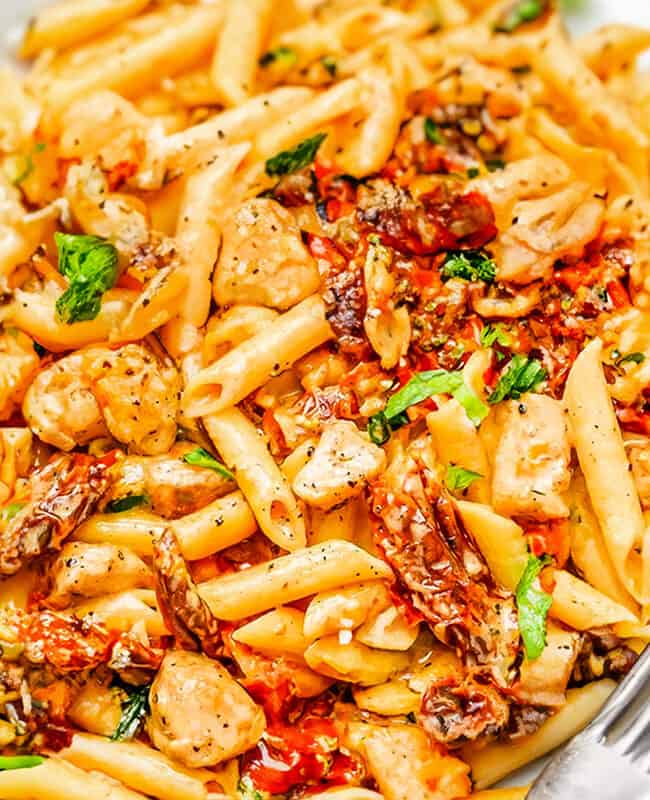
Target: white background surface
{"type": "Point", "coordinates": [592, 13]}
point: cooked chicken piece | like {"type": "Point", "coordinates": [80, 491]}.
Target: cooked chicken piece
{"type": "Point", "coordinates": [406, 766]}
{"type": "Point", "coordinates": [18, 361]}
{"type": "Point", "coordinates": [199, 714]}
{"type": "Point", "coordinates": [543, 682]}
{"type": "Point", "coordinates": [90, 570]}
{"type": "Point", "coordinates": [185, 613]}
{"type": "Point", "coordinates": [263, 260]}
{"type": "Point", "coordinates": [545, 230]}
{"type": "Point", "coordinates": [531, 464]}
{"type": "Point", "coordinates": [63, 494]}
{"type": "Point", "coordinates": [343, 461]}
{"type": "Point", "coordinates": [172, 487]}
{"type": "Point", "coordinates": [638, 451]}
{"type": "Point", "coordinates": [523, 179]}
{"type": "Point", "coordinates": [127, 392]}
{"type": "Point", "coordinates": [138, 394]}
{"type": "Point", "coordinates": [60, 406]}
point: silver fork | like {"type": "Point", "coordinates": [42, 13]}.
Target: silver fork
{"type": "Point", "coordinates": [610, 758]}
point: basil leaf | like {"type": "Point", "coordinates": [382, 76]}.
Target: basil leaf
{"type": "Point", "coordinates": [20, 762]}
{"type": "Point", "coordinates": [458, 478]}
{"type": "Point", "coordinates": [432, 132]}
{"type": "Point", "coordinates": [520, 13]}
{"type": "Point", "coordinates": [330, 65]}
{"type": "Point", "coordinates": [134, 709]}
{"type": "Point", "coordinates": [494, 334]}
{"type": "Point", "coordinates": [379, 429]}
{"type": "Point", "coordinates": [90, 264]}
{"type": "Point", "coordinates": [473, 172]}
{"type": "Point", "coordinates": [470, 265]}
{"type": "Point", "coordinates": [493, 164]}
{"type": "Point", "coordinates": [10, 511]}
{"type": "Point", "coordinates": [439, 381]}
{"type": "Point", "coordinates": [28, 168]}
{"type": "Point", "coordinates": [636, 358]}
{"type": "Point", "coordinates": [521, 375]}
{"type": "Point", "coordinates": [295, 159]}
{"type": "Point", "coordinates": [284, 56]}
{"type": "Point", "coordinates": [127, 503]}
{"type": "Point", "coordinates": [533, 605]}
{"type": "Point", "coordinates": [201, 458]}
{"type": "Point", "coordinates": [247, 791]}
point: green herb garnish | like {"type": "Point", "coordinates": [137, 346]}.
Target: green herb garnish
{"type": "Point", "coordinates": [134, 709]}
{"type": "Point", "coordinates": [473, 172]}
{"type": "Point", "coordinates": [433, 132]}
{"type": "Point", "coordinates": [20, 762]}
{"type": "Point", "coordinates": [247, 790]}
{"type": "Point", "coordinates": [127, 503]}
{"type": "Point", "coordinates": [419, 388]}
{"type": "Point", "coordinates": [458, 478]}
{"type": "Point", "coordinates": [330, 65]}
{"type": "Point", "coordinates": [470, 265]}
{"type": "Point", "coordinates": [634, 358]}
{"type": "Point", "coordinates": [90, 265]}
{"type": "Point", "coordinates": [300, 156]}
{"type": "Point", "coordinates": [521, 375]}
{"type": "Point", "coordinates": [201, 458]}
{"type": "Point", "coordinates": [520, 13]}
{"type": "Point", "coordinates": [28, 167]}
{"type": "Point", "coordinates": [493, 164]}
{"type": "Point", "coordinates": [284, 56]}
{"type": "Point", "coordinates": [10, 511]}
{"type": "Point", "coordinates": [494, 334]}
{"type": "Point", "coordinates": [533, 605]}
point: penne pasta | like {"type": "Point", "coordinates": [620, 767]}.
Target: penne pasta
{"type": "Point", "coordinates": [62, 26]}
{"type": "Point", "coordinates": [266, 489]}
{"type": "Point", "coordinates": [198, 230]}
{"type": "Point", "coordinates": [291, 577]}
{"type": "Point", "coordinates": [600, 449]}
{"type": "Point", "coordinates": [253, 362]}
{"type": "Point", "coordinates": [239, 48]}
{"type": "Point", "coordinates": [138, 766]}
{"type": "Point", "coordinates": [127, 62]}
{"type": "Point", "coordinates": [57, 780]}
{"type": "Point", "coordinates": [324, 412]}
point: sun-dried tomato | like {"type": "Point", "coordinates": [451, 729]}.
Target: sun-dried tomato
{"type": "Point", "coordinates": [68, 644]}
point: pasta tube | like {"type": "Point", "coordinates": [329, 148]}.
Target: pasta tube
{"type": "Point", "coordinates": [291, 577]}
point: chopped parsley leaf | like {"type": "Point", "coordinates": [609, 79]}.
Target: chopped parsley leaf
{"type": "Point", "coordinates": [300, 156]}
{"type": "Point", "coordinates": [522, 375]}
{"type": "Point", "coordinates": [470, 265]}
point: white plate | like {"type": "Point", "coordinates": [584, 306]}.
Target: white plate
{"type": "Point", "coordinates": [592, 13]}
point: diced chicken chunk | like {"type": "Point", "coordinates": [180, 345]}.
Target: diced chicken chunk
{"type": "Point", "coordinates": [343, 461]}
{"type": "Point", "coordinates": [199, 714]}
{"type": "Point", "coordinates": [543, 682]}
{"type": "Point", "coordinates": [531, 464]}
{"type": "Point", "coordinates": [406, 765]}
{"type": "Point", "coordinates": [60, 406]}
{"type": "Point", "coordinates": [128, 393]}
{"type": "Point", "coordinates": [173, 487]}
{"type": "Point", "coordinates": [91, 570]}
{"type": "Point", "coordinates": [263, 260]}
{"type": "Point", "coordinates": [139, 396]}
